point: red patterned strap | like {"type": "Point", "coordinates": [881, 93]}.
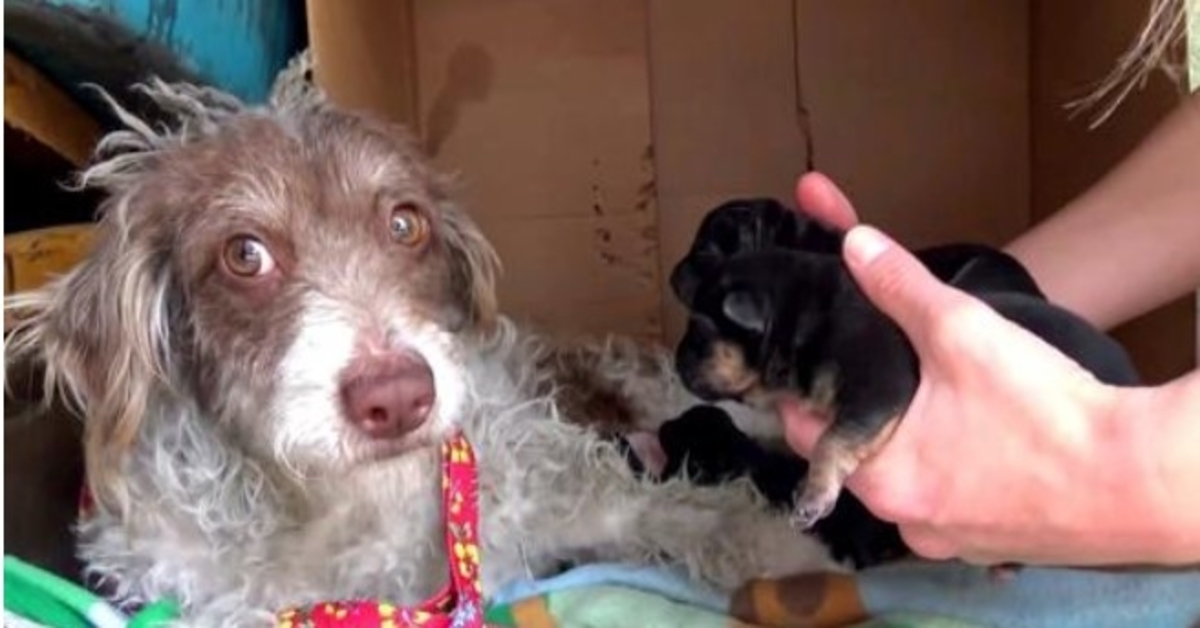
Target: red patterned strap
{"type": "Point", "coordinates": [458, 605]}
{"type": "Point", "coordinates": [460, 602]}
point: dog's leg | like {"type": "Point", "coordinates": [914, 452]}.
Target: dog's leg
{"type": "Point", "coordinates": [722, 535]}
{"type": "Point", "coordinates": [840, 450]}
{"type": "Point", "coordinates": [873, 378]}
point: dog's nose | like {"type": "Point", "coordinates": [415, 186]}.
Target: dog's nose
{"type": "Point", "coordinates": [390, 395]}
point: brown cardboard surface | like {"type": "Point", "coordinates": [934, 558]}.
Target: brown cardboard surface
{"type": "Point", "coordinates": [543, 110]}
{"type": "Point", "coordinates": [921, 109]}
{"type": "Point", "coordinates": [591, 135]}
{"type": "Point", "coordinates": [726, 119]}
{"type": "Point", "coordinates": [364, 55]}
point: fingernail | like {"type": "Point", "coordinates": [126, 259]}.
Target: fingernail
{"type": "Point", "coordinates": [864, 244]}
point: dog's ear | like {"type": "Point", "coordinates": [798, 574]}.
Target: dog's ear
{"type": "Point", "coordinates": [99, 334]}
{"type": "Point", "coordinates": [689, 274]}
{"type": "Point", "coordinates": [475, 267]}
{"type": "Point", "coordinates": [747, 309]}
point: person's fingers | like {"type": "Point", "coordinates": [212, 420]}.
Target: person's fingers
{"type": "Point", "coordinates": [899, 285]}
{"type": "Point", "coordinates": [821, 199]}
{"type": "Point", "coordinates": [801, 426]}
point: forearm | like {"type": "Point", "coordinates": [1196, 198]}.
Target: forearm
{"type": "Point", "coordinates": [1132, 242]}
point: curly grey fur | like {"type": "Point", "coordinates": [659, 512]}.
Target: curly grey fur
{"type": "Point", "coordinates": [195, 510]}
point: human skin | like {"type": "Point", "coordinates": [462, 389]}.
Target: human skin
{"type": "Point", "coordinates": [1010, 452]}
{"type": "Point", "coordinates": [1138, 229]}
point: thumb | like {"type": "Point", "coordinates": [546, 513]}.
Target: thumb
{"type": "Point", "coordinates": [896, 281]}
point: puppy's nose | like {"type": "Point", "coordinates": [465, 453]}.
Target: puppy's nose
{"type": "Point", "coordinates": [389, 395]}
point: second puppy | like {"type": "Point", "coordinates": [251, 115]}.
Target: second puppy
{"type": "Point", "coordinates": [774, 311]}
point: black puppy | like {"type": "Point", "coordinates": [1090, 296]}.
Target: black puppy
{"type": "Point", "coordinates": [774, 311]}
{"type": "Point", "coordinates": [706, 445]}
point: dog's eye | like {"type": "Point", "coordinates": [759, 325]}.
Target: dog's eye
{"type": "Point", "coordinates": [246, 256]}
{"type": "Point", "coordinates": [408, 225]}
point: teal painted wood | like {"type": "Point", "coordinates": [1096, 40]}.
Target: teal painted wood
{"type": "Point", "coordinates": [237, 45]}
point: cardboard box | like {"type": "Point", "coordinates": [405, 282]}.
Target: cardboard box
{"type": "Point", "coordinates": [592, 135]}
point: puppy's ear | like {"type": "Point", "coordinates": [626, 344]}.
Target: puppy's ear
{"type": "Point", "coordinates": [100, 336]}
{"type": "Point", "coordinates": [747, 309]}
{"type": "Point", "coordinates": [475, 267]}
{"type": "Point", "coordinates": [689, 274]}
{"type": "Point", "coordinates": [684, 283]}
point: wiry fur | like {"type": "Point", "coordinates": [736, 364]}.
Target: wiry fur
{"type": "Point", "coordinates": [225, 475]}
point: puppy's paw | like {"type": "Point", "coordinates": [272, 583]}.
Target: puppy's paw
{"type": "Point", "coordinates": [813, 504]}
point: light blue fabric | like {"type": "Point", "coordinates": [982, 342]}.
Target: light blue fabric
{"type": "Point", "coordinates": [667, 583]}
{"type": "Point", "coordinates": [1035, 597]}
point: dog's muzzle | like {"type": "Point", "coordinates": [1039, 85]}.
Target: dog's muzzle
{"type": "Point", "coordinates": [388, 395]}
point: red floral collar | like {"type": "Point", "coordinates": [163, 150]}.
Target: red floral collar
{"type": "Point", "coordinates": [458, 605]}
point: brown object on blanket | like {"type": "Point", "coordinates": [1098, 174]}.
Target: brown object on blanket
{"type": "Point", "coordinates": [814, 600]}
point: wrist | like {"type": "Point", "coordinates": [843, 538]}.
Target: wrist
{"type": "Point", "coordinates": [1147, 498]}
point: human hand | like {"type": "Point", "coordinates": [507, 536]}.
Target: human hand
{"type": "Point", "coordinates": [1004, 453]}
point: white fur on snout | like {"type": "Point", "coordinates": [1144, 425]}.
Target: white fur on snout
{"type": "Point", "coordinates": [311, 429]}
{"type": "Point", "coordinates": [441, 352]}
{"type": "Point", "coordinates": [309, 425]}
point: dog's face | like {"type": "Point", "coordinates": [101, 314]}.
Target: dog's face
{"type": "Point", "coordinates": [756, 284]}
{"type": "Point", "coordinates": [301, 276]}
{"type": "Point", "coordinates": [327, 277]}
{"type": "Point", "coordinates": [751, 324]}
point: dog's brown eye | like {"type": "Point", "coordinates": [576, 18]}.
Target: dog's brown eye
{"type": "Point", "coordinates": [246, 256]}
{"type": "Point", "coordinates": [409, 226]}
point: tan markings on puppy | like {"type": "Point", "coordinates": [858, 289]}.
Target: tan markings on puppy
{"type": "Point", "coordinates": [760, 397]}
{"type": "Point", "coordinates": [824, 392]}
{"type": "Point", "coordinates": [820, 400]}
{"type": "Point", "coordinates": [726, 370]}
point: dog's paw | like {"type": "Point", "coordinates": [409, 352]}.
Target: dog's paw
{"type": "Point", "coordinates": [812, 505]}
{"type": "Point", "coordinates": [779, 551]}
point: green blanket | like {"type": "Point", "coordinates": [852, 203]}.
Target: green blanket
{"type": "Point", "coordinates": [824, 600]}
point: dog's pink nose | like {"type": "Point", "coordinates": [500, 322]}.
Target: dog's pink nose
{"type": "Point", "coordinates": [387, 396]}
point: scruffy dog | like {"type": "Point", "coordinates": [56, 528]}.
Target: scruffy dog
{"type": "Point", "coordinates": [283, 315]}
{"type": "Point", "coordinates": [774, 311]}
